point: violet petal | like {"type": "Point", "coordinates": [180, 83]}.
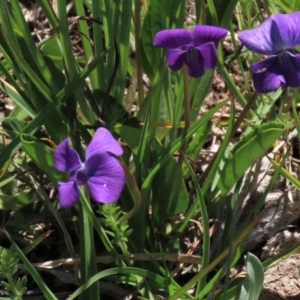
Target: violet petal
{"type": "Point", "coordinates": [289, 67]}
{"type": "Point", "coordinates": [264, 64]}
{"type": "Point", "coordinates": [68, 194]}
{"type": "Point", "coordinates": [103, 141]}
{"type": "Point", "coordinates": [204, 34]}
{"type": "Point", "coordinates": [81, 176]}
{"type": "Point", "coordinates": [106, 177]}
{"type": "Point", "coordinates": [175, 59]}
{"type": "Point", "coordinates": [173, 38]}
{"type": "Point", "coordinates": [266, 76]}
{"type": "Point", "coordinates": [194, 60]}
{"type": "Point", "coordinates": [277, 33]}
{"type": "Point", "coordinates": [266, 82]}
{"type": "Point", "coordinates": [288, 29]}
{"type": "Point", "coordinates": [209, 54]}
{"type": "Point", "coordinates": [259, 39]}
{"type": "Point", "coordinates": [66, 159]}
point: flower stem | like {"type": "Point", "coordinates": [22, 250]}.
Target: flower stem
{"type": "Point", "coordinates": [234, 130]}
{"type": "Point", "coordinates": [88, 266]}
{"type": "Point", "coordinates": [244, 113]}
{"type": "Point", "coordinates": [187, 112]}
{"type": "Point", "coordinates": [136, 192]}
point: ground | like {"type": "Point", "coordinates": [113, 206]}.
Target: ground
{"type": "Point", "coordinates": [279, 228]}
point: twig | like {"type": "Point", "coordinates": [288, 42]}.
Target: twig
{"type": "Point", "coordinates": [173, 257]}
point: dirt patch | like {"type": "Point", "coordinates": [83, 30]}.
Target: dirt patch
{"type": "Point", "coordinates": [282, 281]}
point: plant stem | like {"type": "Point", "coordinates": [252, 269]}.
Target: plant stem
{"type": "Point", "coordinates": [244, 113]}
{"type": "Point", "coordinates": [88, 266]}
{"type": "Point", "coordinates": [234, 130]}
{"type": "Point", "coordinates": [233, 87]}
{"type": "Point", "coordinates": [137, 193]}
{"type": "Point", "coordinates": [13, 287]}
{"type": "Point", "coordinates": [187, 112]}
{"type": "Point", "coordinates": [139, 70]}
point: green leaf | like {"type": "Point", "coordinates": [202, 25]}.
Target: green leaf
{"type": "Point", "coordinates": [23, 106]}
{"type": "Point", "coordinates": [138, 274]}
{"type": "Point", "coordinates": [196, 144]}
{"type": "Point", "coordinates": [245, 153]}
{"type": "Point", "coordinates": [131, 136]}
{"type": "Point", "coordinates": [17, 201]}
{"type": "Point", "coordinates": [169, 192]}
{"type": "Point", "coordinates": [143, 158]}
{"type": "Point", "coordinates": [88, 268]}
{"type": "Point", "coordinates": [7, 180]}
{"type": "Point", "coordinates": [288, 5]}
{"type": "Point", "coordinates": [224, 9]}
{"type": "Point", "coordinates": [152, 24]}
{"type": "Point", "coordinates": [18, 113]}
{"type": "Point", "coordinates": [253, 283]}
{"type": "Point", "coordinates": [286, 174]}
{"type": "Point", "coordinates": [42, 156]}
{"type": "Point", "coordinates": [198, 91]}
{"type": "Point", "coordinates": [139, 219]}
{"type": "Point", "coordinates": [205, 226]}
{"type": "Point", "coordinates": [160, 15]}
{"type": "Point", "coordinates": [13, 126]}
{"type": "Point", "coordinates": [54, 67]}
{"type": "Point", "coordinates": [51, 49]}
{"type": "Point", "coordinates": [46, 113]}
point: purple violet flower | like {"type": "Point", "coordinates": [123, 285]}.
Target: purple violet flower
{"type": "Point", "coordinates": [101, 171]}
{"type": "Point", "coordinates": [196, 48]}
{"type": "Point", "coordinates": [276, 36]}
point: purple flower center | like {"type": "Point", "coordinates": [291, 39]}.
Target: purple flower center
{"type": "Point", "coordinates": [81, 176]}
{"type": "Point", "coordinates": [192, 55]}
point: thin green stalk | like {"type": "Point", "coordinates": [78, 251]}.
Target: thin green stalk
{"type": "Point", "coordinates": [22, 64]}
{"type": "Point", "coordinates": [124, 46]}
{"type": "Point", "coordinates": [209, 173]}
{"type": "Point", "coordinates": [106, 242]}
{"type": "Point", "coordinates": [232, 33]}
{"type": "Point", "coordinates": [233, 88]}
{"type": "Point", "coordinates": [200, 11]}
{"type": "Point", "coordinates": [295, 114]}
{"type": "Point", "coordinates": [35, 52]}
{"type": "Point", "coordinates": [139, 70]}
{"type": "Point", "coordinates": [228, 234]}
{"type": "Point", "coordinates": [137, 193]}
{"type": "Point", "coordinates": [88, 265]}
{"type": "Point", "coordinates": [46, 113]}
{"type": "Point", "coordinates": [178, 105]}
{"type": "Point", "coordinates": [167, 93]}
{"type": "Point", "coordinates": [239, 239]}
{"type": "Point", "coordinates": [107, 17]}
{"type": "Point", "coordinates": [86, 44]}
{"type": "Point", "coordinates": [146, 187]}
{"type": "Point", "coordinates": [244, 113]}
{"type": "Point", "coordinates": [48, 11]}
{"type": "Point", "coordinates": [13, 287]}
{"type": "Point", "coordinates": [100, 82]}
{"type": "Point", "coordinates": [229, 135]}
{"type": "Point", "coordinates": [72, 69]}
{"type": "Point", "coordinates": [30, 268]}
{"type": "Point", "coordinates": [187, 112]}
{"type": "Point", "coordinates": [205, 224]}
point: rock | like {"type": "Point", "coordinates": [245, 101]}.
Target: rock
{"type": "Point", "coordinates": [282, 280]}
